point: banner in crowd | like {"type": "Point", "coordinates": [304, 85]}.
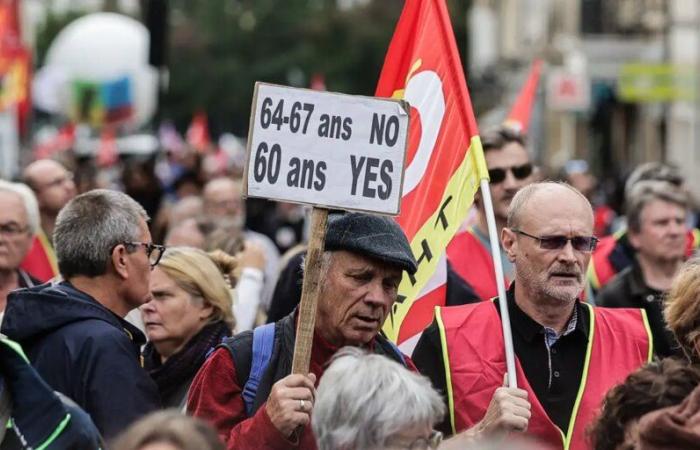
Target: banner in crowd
{"type": "Point", "coordinates": [445, 160]}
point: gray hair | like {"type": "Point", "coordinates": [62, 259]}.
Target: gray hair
{"type": "Point", "coordinates": [645, 192]}
{"type": "Point", "coordinates": [31, 207]}
{"type": "Point", "coordinates": [90, 226]}
{"type": "Point", "coordinates": [525, 194]}
{"type": "Point", "coordinates": [362, 400]}
{"type": "Point", "coordinates": [654, 171]}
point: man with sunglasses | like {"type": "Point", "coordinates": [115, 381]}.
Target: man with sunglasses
{"type": "Point", "coordinates": [510, 170]}
{"type": "Point", "coordinates": [74, 331]}
{"type": "Point", "coordinates": [568, 354]}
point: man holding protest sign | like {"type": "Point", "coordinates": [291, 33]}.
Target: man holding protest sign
{"type": "Point", "coordinates": [258, 388]}
{"type": "Point", "coordinates": [565, 362]}
{"type": "Point", "coordinates": [245, 389]}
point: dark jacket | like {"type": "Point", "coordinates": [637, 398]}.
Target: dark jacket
{"type": "Point", "coordinates": [41, 418]}
{"type": "Point", "coordinates": [83, 350]}
{"type": "Point", "coordinates": [629, 290]}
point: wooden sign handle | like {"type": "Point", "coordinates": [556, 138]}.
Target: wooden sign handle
{"type": "Point", "coordinates": [309, 292]}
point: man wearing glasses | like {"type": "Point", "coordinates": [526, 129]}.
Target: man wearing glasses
{"type": "Point", "coordinates": [19, 221]}
{"type": "Point", "coordinates": [568, 354]}
{"type": "Point", "coordinates": [74, 331]}
{"type": "Point", "coordinates": [510, 170]}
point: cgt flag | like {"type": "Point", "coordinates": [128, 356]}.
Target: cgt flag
{"type": "Point", "coordinates": [445, 162]}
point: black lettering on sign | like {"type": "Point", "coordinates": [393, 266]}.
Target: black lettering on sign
{"type": "Point", "coordinates": [267, 166]}
{"type": "Point", "coordinates": [442, 218]}
{"type": "Point", "coordinates": [370, 177]}
{"type": "Point", "coordinates": [356, 167]}
{"type": "Point", "coordinates": [306, 174]}
{"type": "Point", "coordinates": [426, 254]}
{"type": "Point", "coordinates": [384, 130]}
{"type": "Point", "coordinates": [347, 130]}
{"type": "Point", "coordinates": [320, 182]}
{"type": "Point", "coordinates": [335, 127]}
{"type": "Point", "coordinates": [385, 173]}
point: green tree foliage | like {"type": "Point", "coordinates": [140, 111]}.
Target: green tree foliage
{"type": "Point", "coordinates": [219, 49]}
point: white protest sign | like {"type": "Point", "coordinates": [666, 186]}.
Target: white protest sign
{"type": "Point", "coordinates": [325, 149]}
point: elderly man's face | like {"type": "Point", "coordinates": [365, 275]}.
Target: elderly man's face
{"type": "Point", "coordinates": [355, 298]}
{"type": "Point", "coordinates": [222, 198]}
{"type": "Point", "coordinates": [551, 274]}
{"type": "Point", "coordinates": [53, 186]}
{"type": "Point", "coordinates": [662, 232]}
{"type": "Point", "coordinates": [15, 237]}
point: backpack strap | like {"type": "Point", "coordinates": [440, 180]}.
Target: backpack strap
{"type": "Point", "coordinates": [263, 341]}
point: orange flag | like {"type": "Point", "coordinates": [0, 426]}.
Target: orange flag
{"type": "Point", "coordinates": [198, 133]}
{"type": "Point", "coordinates": [519, 116]}
{"type": "Point", "coordinates": [445, 161]}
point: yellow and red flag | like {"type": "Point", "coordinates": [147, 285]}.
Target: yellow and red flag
{"type": "Point", "coordinates": [445, 162]}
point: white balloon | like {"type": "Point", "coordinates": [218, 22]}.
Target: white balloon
{"type": "Point", "coordinates": [102, 48]}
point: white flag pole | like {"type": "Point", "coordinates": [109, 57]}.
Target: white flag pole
{"type": "Point", "coordinates": [500, 284]}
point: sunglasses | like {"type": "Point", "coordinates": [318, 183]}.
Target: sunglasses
{"type": "Point", "coordinates": [519, 172]}
{"type": "Point", "coordinates": [579, 243]}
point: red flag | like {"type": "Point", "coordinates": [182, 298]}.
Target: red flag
{"type": "Point", "coordinates": [519, 116]}
{"type": "Point", "coordinates": [107, 153]}
{"type": "Point", "coordinates": [63, 140]}
{"type": "Point", "coordinates": [198, 132]}
{"type": "Point", "coordinates": [445, 161]}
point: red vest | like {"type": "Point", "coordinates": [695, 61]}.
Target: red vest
{"type": "Point", "coordinates": [472, 344]}
{"type": "Point", "coordinates": [473, 262]}
{"type": "Point", "coordinates": [40, 262]}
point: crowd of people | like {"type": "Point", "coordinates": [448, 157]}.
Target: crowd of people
{"type": "Point", "coordinates": [150, 312]}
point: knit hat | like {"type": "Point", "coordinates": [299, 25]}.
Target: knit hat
{"type": "Point", "coordinates": [378, 237]}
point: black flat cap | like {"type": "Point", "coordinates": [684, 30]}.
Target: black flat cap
{"type": "Point", "coordinates": [378, 237]}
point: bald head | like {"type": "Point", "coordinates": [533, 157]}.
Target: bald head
{"type": "Point", "coordinates": [223, 199]}
{"type": "Point", "coordinates": [52, 184]}
{"type": "Point", "coordinates": [554, 195]}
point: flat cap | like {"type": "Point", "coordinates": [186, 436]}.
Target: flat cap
{"type": "Point", "coordinates": [378, 237]}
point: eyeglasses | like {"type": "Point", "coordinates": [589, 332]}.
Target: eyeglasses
{"type": "Point", "coordinates": [57, 181]}
{"type": "Point", "coordinates": [12, 229]}
{"type": "Point", "coordinates": [580, 243]}
{"type": "Point", "coordinates": [519, 172]}
{"type": "Point", "coordinates": [430, 443]}
{"type": "Point", "coordinates": [153, 251]}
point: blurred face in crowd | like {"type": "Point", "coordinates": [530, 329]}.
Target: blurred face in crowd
{"type": "Point", "coordinates": [662, 231]}
{"type": "Point", "coordinates": [159, 446]}
{"type": "Point", "coordinates": [186, 233]}
{"type": "Point", "coordinates": [15, 237]}
{"type": "Point", "coordinates": [515, 162]}
{"type": "Point", "coordinates": [355, 298]}
{"type": "Point", "coordinates": [52, 184]}
{"type": "Point", "coordinates": [550, 274]}
{"type": "Point", "coordinates": [173, 316]}
{"type": "Point", "coordinates": [222, 198]}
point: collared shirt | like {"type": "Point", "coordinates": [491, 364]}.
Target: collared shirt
{"type": "Point", "coordinates": [553, 367]}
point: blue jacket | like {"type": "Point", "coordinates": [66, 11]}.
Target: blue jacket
{"type": "Point", "coordinates": [83, 350]}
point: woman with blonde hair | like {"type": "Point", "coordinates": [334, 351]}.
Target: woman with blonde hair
{"type": "Point", "coordinates": [189, 313]}
{"type": "Point", "coordinates": [168, 430]}
{"type": "Point", "coordinates": [682, 310]}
